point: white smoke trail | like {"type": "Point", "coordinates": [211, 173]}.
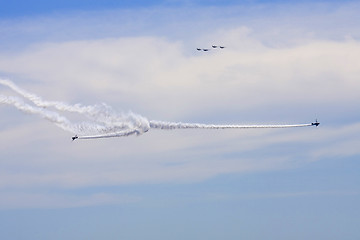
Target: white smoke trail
{"type": "Point", "coordinates": [105, 122]}
{"type": "Point", "coordinates": [110, 135]}
{"type": "Point", "coordinates": [171, 125]}
{"type": "Point", "coordinates": [108, 121]}
{"type": "Point", "coordinates": [51, 116]}
{"type": "Point", "coordinates": [98, 112]}
{"type": "Point", "coordinates": [61, 121]}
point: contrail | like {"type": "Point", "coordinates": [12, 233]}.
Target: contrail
{"type": "Point", "coordinates": [103, 121]}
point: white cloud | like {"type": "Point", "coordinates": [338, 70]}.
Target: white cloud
{"type": "Point", "coordinates": [153, 75]}
{"type": "Point", "coordinates": [177, 156]}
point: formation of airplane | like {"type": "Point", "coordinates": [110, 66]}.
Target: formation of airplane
{"type": "Point", "coordinates": [208, 49]}
{"type": "Point", "coordinates": [214, 46]}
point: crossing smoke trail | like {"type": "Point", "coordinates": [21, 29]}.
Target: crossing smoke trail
{"type": "Point", "coordinates": [103, 121]}
{"type": "Point", "coordinates": [61, 121]}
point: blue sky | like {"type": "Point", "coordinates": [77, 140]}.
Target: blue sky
{"type": "Point", "coordinates": [284, 63]}
{"type": "Point", "coordinates": [18, 8]}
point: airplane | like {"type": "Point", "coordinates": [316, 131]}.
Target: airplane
{"type": "Point", "coordinates": [316, 123]}
{"type": "Point", "coordinates": [75, 137]}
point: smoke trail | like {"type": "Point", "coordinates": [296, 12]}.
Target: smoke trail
{"type": "Point", "coordinates": [170, 125]}
{"type": "Point", "coordinates": [99, 112]}
{"type": "Point", "coordinates": [41, 103]}
{"type": "Point", "coordinates": [110, 135]}
{"type": "Point", "coordinates": [51, 116]}
{"type": "Point", "coordinates": [104, 121]}
{"type": "Point", "coordinates": [54, 117]}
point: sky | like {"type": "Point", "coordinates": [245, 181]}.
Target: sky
{"type": "Point", "coordinates": [284, 62]}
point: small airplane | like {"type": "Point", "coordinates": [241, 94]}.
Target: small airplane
{"type": "Point", "coordinates": [75, 137]}
{"type": "Point", "coordinates": [208, 49]}
{"type": "Point", "coordinates": [316, 123]}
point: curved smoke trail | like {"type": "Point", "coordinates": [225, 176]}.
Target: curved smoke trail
{"type": "Point", "coordinates": [103, 122]}
{"type": "Point", "coordinates": [101, 113]}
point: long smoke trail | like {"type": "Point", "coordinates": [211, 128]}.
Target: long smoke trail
{"type": "Point", "coordinates": [170, 125]}
{"type": "Point", "coordinates": [104, 121]}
